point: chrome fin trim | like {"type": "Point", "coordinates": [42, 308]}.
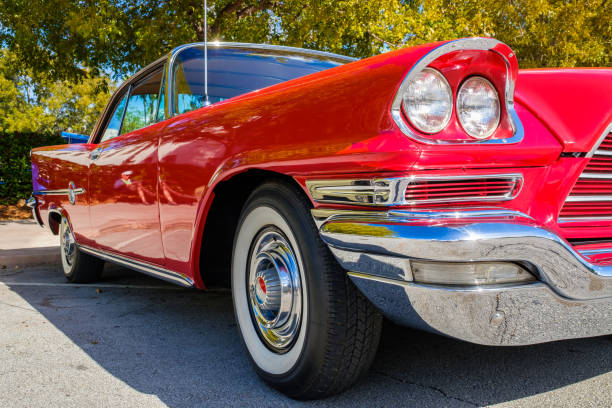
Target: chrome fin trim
{"type": "Point", "coordinates": [152, 270]}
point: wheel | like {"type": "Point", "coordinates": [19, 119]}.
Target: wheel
{"type": "Point", "coordinates": [78, 266]}
{"type": "Point", "coordinates": [307, 329]}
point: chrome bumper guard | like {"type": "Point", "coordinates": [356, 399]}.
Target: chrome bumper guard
{"type": "Point", "coordinates": [572, 297]}
{"type": "Point", "coordinates": [32, 203]}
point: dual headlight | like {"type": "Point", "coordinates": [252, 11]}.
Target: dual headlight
{"type": "Point", "coordinates": [428, 103]}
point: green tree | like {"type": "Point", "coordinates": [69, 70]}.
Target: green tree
{"type": "Point", "coordinates": [40, 104]}
{"type": "Point", "coordinates": [70, 38]}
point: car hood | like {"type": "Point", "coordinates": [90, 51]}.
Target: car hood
{"type": "Point", "coordinates": [575, 104]}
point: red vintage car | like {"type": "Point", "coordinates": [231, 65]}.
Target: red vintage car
{"type": "Point", "coordinates": [436, 185]}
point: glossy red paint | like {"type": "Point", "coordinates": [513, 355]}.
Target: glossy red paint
{"type": "Point", "coordinates": [151, 190]}
{"type": "Point", "coordinates": [123, 194]}
{"type": "Point", "coordinates": [53, 168]}
{"type": "Point", "coordinates": [575, 104]}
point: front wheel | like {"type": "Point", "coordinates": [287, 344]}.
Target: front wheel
{"type": "Point", "coordinates": [78, 266]}
{"type": "Point", "coordinates": [309, 332]}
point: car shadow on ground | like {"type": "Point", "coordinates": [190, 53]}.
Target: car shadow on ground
{"type": "Point", "coordinates": [183, 346]}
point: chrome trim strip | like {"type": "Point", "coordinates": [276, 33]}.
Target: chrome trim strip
{"type": "Point", "coordinates": [587, 199]}
{"type": "Point", "coordinates": [63, 191]}
{"type": "Point", "coordinates": [600, 141]}
{"type": "Point", "coordinates": [246, 46]}
{"type": "Point", "coordinates": [355, 240]}
{"type": "Point", "coordinates": [602, 176]}
{"type": "Point", "coordinates": [392, 191]}
{"type": "Point", "coordinates": [603, 152]}
{"type": "Point", "coordinates": [591, 252]}
{"type": "Point", "coordinates": [485, 44]}
{"type": "Point", "coordinates": [582, 219]}
{"type": "Point", "coordinates": [320, 215]}
{"type": "Point", "coordinates": [139, 266]}
{"type": "Point", "coordinates": [324, 214]}
{"type": "Point", "coordinates": [459, 213]}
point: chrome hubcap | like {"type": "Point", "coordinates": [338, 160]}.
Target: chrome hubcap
{"type": "Point", "coordinates": [67, 242]}
{"type": "Point", "coordinates": [274, 290]}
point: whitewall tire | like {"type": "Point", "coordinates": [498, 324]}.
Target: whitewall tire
{"type": "Point", "coordinates": [301, 319]}
{"type": "Point", "coordinates": [78, 266]}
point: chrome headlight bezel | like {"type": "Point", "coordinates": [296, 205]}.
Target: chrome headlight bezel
{"type": "Point", "coordinates": [420, 122]}
{"type": "Point", "coordinates": [496, 104]}
{"type": "Point", "coordinates": [510, 129]}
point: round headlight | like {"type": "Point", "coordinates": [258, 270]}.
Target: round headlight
{"type": "Point", "coordinates": [428, 101]}
{"type": "Point", "coordinates": [478, 107]}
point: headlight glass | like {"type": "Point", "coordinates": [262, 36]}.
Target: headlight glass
{"type": "Point", "coordinates": [428, 101]}
{"type": "Point", "coordinates": [478, 107]}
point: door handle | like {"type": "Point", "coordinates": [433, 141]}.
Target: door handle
{"type": "Point", "coordinates": [95, 153]}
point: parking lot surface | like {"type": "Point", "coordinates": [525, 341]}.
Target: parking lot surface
{"type": "Point", "coordinates": [135, 341]}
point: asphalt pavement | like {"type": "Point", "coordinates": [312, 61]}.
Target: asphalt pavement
{"type": "Point", "coordinates": [133, 341]}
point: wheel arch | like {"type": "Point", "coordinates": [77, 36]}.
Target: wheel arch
{"type": "Point", "coordinates": [212, 251]}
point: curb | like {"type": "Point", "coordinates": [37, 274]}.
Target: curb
{"type": "Point", "coordinates": [17, 258]}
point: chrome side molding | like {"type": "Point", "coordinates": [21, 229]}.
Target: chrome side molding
{"type": "Point", "coordinates": [61, 192]}
{"type": "Point", "coordinates": [152, 270]}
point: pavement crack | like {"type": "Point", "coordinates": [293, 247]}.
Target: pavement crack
{"type": "Point", "coordinates": [428, 387]}
{"type": "Point", "coordinates": [17, 307]}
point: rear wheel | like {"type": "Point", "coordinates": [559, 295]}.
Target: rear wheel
{"type": "Point", "coordinates": [309, 332]}
{"type": "Point", "coordinates": [78, 266]}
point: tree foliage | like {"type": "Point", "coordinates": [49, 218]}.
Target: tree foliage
{"type": "Point", "coordinates": [68, 38]}
{"type": "Point", "coordinates": [40, 104]}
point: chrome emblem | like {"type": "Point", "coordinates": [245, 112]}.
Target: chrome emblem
{"type": "Point", "coordinates": [71, 193]}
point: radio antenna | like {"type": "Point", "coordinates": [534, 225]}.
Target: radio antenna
{"type": "Point", "coordinates": [206, 100]}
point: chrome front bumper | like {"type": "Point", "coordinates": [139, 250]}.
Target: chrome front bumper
{"type": "Point", "coordinates": [572, 297]}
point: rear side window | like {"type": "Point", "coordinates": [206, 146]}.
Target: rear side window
{"type": "Point", "coordinates": [142, 105]}
{"type": "Point", "coordinates": [114, 125]}
{"type": "Point", "coordinates": [233, 72]}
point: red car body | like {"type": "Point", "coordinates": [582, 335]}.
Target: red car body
{"type": "Point", "coordinates": [149, 197]}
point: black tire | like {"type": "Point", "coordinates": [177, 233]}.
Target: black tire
{"type": "Point", "coordinates": [340, 328]}
{"type": "Point", "coordinates": [78, 266]}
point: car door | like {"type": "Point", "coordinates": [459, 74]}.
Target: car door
{"type": "Point", "coordinates": [124, 210]}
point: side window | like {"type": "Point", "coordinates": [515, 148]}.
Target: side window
{"type": "Point", "coordinates": [114, 125]}
{"type": "Point", "coordinates": [142, 104]}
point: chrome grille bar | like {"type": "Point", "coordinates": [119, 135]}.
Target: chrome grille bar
{"type": "Point", "coordinates": [584, 214]}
